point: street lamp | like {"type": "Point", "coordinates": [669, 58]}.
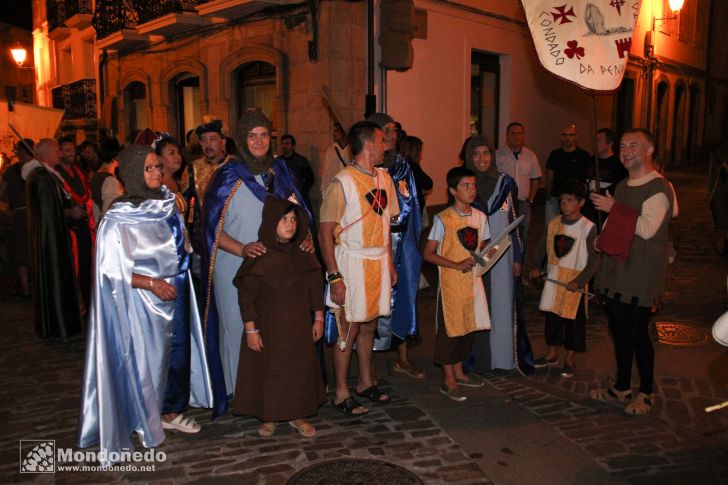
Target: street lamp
{"type": "Point", "coordinates": [19, 54]}
{"type": "Point", "coordinates": [676, 5]}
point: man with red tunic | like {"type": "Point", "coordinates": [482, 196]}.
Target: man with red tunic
{"type": "Point", "coordinates": [81, 224]}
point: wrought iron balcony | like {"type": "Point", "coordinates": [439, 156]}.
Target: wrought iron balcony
{"type": "Point", "coordinates": [59, 12]}
{"type": "Point", "coordinates": [79, 13]}
{"type": "Point", "coordinates": [168, 17]}
{"type": "Point", "coordinates": [233, 9]}
{"type": "Point", "coordinates": [153, 9]}
{"type": "Point", "coordinates": [74, 7]}
{"type": "Point", "coordinates": [55, 13]}
{"type": "Point", "coordinates": [77, 99]}
{"type": "Point", "coordinates": [111, 16]}
{"type": "Point", "coordinates": [59, 95]}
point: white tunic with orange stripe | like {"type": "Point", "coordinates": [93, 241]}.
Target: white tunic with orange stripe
{"type": "Point", "coordinates": [464, 304]}
{"type": "Point", "coordinates": [567, 257]}
{"type": "Point", "coordinates": [362, 243]}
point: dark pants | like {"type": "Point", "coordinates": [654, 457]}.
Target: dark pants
{"type": "Point", "coordinates": [571, 334]}
{"type": "Point", "coordinates": [452, 350]}
{"type": "Point", "coordinates": [629, 324]}
{"type": "Point", "coordinates": [524, 209]}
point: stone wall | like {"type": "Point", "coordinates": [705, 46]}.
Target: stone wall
{"type": "Point", "coordinates": [299, 103]}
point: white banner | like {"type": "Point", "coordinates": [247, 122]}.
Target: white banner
{"type": "Point", "coordinates": [585, 42]}
{"type": "Point", "coordinates": [34, 122]}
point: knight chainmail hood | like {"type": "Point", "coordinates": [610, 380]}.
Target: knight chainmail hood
{"type": "Point", "coordinates": [131, 174]}
{"type": "Point", "coordinates": [246, 124]}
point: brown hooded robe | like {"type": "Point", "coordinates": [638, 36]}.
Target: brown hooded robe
{"type": "Point", "coordinates": [278, 291]}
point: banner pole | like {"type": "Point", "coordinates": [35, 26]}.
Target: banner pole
{"type": "Point", "coordinates": [597, 178]}
{"type": "Point", "coordinates": [21, 139]}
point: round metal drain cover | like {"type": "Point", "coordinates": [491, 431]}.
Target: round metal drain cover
{"type": "Point", "coordinates": [674, 333]}
{"type": "Point", "coordinates": [354, 472]}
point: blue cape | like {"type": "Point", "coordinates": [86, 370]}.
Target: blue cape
{"type": "Point", "coordinates": [129, 339]}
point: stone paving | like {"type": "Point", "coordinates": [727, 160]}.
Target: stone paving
{"type": "Point", "coordinates": [40, 399]}
{"type": "Point", "coordinates": [679, 441]}
{"type": "Point", "coordinates": [641, 449]}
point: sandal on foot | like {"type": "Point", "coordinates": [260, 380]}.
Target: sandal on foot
{"type": "Point", "coordinates": [183, 424]}
{"type": "Point", "coordinates": [267, 429]}
{"type": "Point", "coordinates": [409, 369]}
{"type": "Point", "coordinates": [304, 428]}
{"type": "Point", "coordinates": [610, 394]}
{"type": "Point", "coordinates": [349, 406]}
{"type": "Point", "coordinates": [640, 406]}
{"type": "Point", "coordinates": [374, 394]}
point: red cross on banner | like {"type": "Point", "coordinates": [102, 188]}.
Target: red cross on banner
{"type": "Point", "coordinates": [585, 42]}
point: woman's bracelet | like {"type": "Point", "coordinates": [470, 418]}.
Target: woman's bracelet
{"type": "Point", "coordinates": [255, 330]}
{"type": "Point", "coordinates": [331, 277]}
{"type": "Point", "coordinates": [151, 283]}
{"type": "Point", "coordinates": [242, 250]}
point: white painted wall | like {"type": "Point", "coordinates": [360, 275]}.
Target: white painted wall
{"type": "Point", "coordinates": [432, 100]}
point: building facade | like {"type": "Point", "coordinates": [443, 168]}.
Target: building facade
{"type": "Point", "coordinates": [476, 70]}
{"type": "Point", "coordinates": [122, 66]}
{"type": "Point", "coordinates": [166, 65]}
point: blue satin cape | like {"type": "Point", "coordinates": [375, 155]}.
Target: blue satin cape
{"type": "Point", "coordinates": [130, 329]}
{"type": "Point", "coordinates": [222, 186]}
{"type": "Point", "coordinates": [406, 231]}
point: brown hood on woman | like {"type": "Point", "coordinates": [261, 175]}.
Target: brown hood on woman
{"type": "Point", "coordinates": [280, 259]}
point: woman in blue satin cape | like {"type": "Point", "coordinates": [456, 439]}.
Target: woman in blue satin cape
{"type": "Point", "coordinates": [142, 288]}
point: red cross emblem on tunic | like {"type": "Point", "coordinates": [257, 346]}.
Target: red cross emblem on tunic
{"type": "Point", "coordinates": [468, 237]}
{"type": "Point", "coordinates": [377, 198]}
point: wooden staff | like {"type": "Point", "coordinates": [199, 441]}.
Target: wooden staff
{"type": "Point", "coordinates": [334, 107]}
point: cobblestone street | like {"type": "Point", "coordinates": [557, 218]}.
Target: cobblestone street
{"type": "Point", "coordinates": [538, 429]}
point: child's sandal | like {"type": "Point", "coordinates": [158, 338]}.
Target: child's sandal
{"type": "Point", "coordinates": [304, 428]}
{"type": "Point", "coordinates": [267, 429]}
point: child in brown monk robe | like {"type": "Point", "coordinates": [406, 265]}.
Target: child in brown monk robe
{"type": "Point", "coordinates": [278, 375]}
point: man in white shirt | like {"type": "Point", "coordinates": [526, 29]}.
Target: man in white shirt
{"type": "Point", "coordinates": [522, 164]}
{"type": "Point", "coordinates": [337, 157]}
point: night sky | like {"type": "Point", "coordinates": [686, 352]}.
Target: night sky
{"type": "Point", "coordinates": [18, 13]}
